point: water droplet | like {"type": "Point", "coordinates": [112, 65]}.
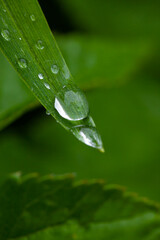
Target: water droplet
{"type": "Point", "coordinates": [22, 63]}
{"type": "Point", "coordinates": [20, 39]}
{"type": "Point", "coordinates": [5, 34]}
{"type": "Point", "coordinates": [48, 113]}
{"type": "Point", "coordinates": [66, 72]}
{"type": "Point", "coordinates": [4, 10]}
{"type": "Point", "coordinates": [89, 136]}
{"type": "Point", "coordinates": [32, 17]}
{"type": "Point", "coordinates": [54, 69]}
{"type": "Point", "coordinates": [39, 45]}
{"type": "Point", "coordinates": [47, 85]}
{"type": "Point", "coordinates": [40, 75]}
{"type": "Point", "coordinates": [72, 104]}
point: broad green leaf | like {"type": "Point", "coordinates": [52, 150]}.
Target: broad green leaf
{"type": "Point", "coordinates": [115, 19]}
{"type": "Point", "coordinates": [56, 206]}
{"type": "Point", "coordinates": [28, 43]}
{"type": "Point", "coordinates": [94, 63]}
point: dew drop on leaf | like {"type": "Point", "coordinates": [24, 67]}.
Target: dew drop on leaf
{"type": "Point", "coordinates": [39, 44]}
{"type": "Point", "coordinates": [22, 63]}
{"type": "Point", "coordinates": [47, 85]}
{"type": "Point", "coordinates": [32, 17]}
{"type": "Point", "coordinates": [54, 69]}
{"type": "Point", "coordinates": [66, 72]}
{"type": "Point", "coordinates": [72, 104]}
{"type": "Point", "coordinates": [40, 75]}
{"type": "Point", "coordinates": [89, 136]}
{"type": "Point", "coordinates": [5, 34]}
{"type": "Point", "coordinates": [48, 113]}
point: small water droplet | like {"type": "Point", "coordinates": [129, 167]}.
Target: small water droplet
{"type": "Point", "coordinates": [54, 69]}
{"type": "Point", "coordinates": [48, 113]}
{"type": "Point", "coordinates": [5, 34]}
{"type": "Point", "coordinates": [4, 10]}
{"type": "Point", "coordinates": [66, 72]}
{"type": "Point", "coordinates": [47, 85]}
{"type": "Point", "coordinates": [20, 38]}
{"type": "Point", "coordinates": [22, 63]}
{"type": "Point", "coordinates": [72, 104]}
{"type": "Point", "coordinates": [89, 136]}
{"type": "Point", "coordinates": [39, 44]}
{"type": "Point", "coordinates": [32, 17]}
{"type": "Point", "coordinates": [40, 75]}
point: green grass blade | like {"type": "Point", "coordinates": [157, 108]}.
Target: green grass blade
{"type": "Point", "coordinates": [29, 45]}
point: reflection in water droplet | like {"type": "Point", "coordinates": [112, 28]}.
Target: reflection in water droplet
{"type": "Point", "coordinates": [39, 45]}
{"type": "Point", "coordinates": [89, 136]}
{"type": "Point", "coordinates": [54, 69]}
{"type": "Point", "coordinates": [47, 85]}
{"type": "Point", "coordinates": [40, 75]}
{"type": "Point", "coordinates": [32, 17]}
{"type": "Point", "coordinates": [72, 104]}
{"type": "Point", "coordinates": [47, 112]}
{"type": "Point", "coordinates": [22, 63]}
{"type": "Point", "coordinates": [5, 34]}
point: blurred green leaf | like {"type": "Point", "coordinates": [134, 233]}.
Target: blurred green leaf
{"type": "Point", "coordinates": [115, 19]}
{"type": "Point", "coordinates": [33, 207]}
{"type": "Point", "coordinates": [93, 62]}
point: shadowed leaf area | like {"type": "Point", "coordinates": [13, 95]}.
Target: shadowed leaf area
{"type": "Point", "coordinates": [57, 207]}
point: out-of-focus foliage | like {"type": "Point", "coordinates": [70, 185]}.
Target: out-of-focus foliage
{"type": "Point", "coordinates": [116, 19]}
{"type": "Point", "coordinates": [56, 207]}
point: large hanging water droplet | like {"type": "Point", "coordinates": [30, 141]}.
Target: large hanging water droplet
{"type": "Point", "coordinates": [32, 17]}
{"type": "Point", "coordinates": [40, 75]}
{"type": "Point", "coordinates": [72, 104]}
{"type": "Point", "coordinates": [22, 63]}
{"type": "Point", "coordinates": [89, 136]}
{"type": "Point", "coordinates": [39, 44]}
{"type": "Point", "coordinates": [5, 34]}
{"type": "Point", "coordinates": [54, 69]}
